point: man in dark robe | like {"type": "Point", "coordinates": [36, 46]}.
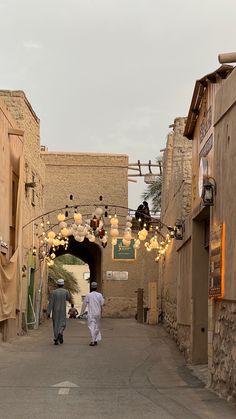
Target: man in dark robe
{"type": "Point", "coordinates": [142, 214]}
{"type": "Point", "coordinates": [57, 306]}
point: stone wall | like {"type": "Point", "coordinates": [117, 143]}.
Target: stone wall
{"type": "Point", "coordinates": [11, 147]}
{"type": "Point", "coordinates": [176, 205]}
{"type": "Point", "coordinates": [223, 369]}
{"type": "Point", "coordinates": [26, 119]}
{"type": "Point", "coordinates": [86, 177]}
{"type": "Point", "coordinates": [222, 358]}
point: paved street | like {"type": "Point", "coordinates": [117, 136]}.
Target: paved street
{"type": "Point", "coordinates": [136, 372]}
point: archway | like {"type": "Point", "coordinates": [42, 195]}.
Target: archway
{"type": "Point", "coordinates": [89, 252]}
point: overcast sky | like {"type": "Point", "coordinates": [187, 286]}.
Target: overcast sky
{"type": "Point", "coordinates": [111, 75]}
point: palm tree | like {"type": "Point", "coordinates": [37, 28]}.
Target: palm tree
{"type": "Point", "coordinates": [57, 271]}
{"type": "Point", "coordinates": [153, 193]}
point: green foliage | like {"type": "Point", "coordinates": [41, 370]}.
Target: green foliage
{"type": "Point", "coordinates": [153, 193]}
{"type": "Point", "coordinates": [57, 271]}
{"type": "Point", "coordinates": [68, 259]}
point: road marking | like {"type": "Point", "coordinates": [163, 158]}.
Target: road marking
{"type": "Point", "coordinates": [64, 387]}
{"type": "Point", "coordinates": [65, 384]}
{"type": "Point", "coordinates": [63, 391]}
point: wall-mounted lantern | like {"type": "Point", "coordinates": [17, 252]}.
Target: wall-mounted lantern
{"type": "Point", "coordinates": [208, 192]}
{"type": "Point", "coordinates": [179, 230]}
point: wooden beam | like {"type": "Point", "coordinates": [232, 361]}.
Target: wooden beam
{"type": "Point", "coordinates": [14, 131]}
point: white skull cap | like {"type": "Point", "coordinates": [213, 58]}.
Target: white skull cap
{"type": "Point", "coordinates": [60, 281]}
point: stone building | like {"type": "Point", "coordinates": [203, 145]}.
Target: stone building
{"type": "Point", "coordinates": [200, 130]}
{"type": "Point", "coordinates": [198, 278]}
{"type": "Point", "coordinates": [32, 204]}
{"type": "Point", "coordinates": [222, 310]}
{"type": "Point", "coordinates": [173, 288]}
{"type": "Point", "coordinates": [82, 182]}
{"type": "Point", "coordinates": [11, 188]}
{"type": "Point", "coordinates": [54, 181]}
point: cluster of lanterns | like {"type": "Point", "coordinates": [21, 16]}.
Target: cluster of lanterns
{"type": "Point", "coordinates": [114, 231]}
{"type": "Point", "coordinates": [93, 230]}
{"type": "Point", "coordinates": [154, 244]}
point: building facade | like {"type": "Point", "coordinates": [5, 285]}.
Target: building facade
{"type": "Point", "coordinates": [11, 190]}
{"type": "Point", "coordinates": [82, 182]}
{"type": "Point", "coordinates": [199, 291]}
{"type": "Point", "coordinates": [222, 315]}
{"type": "Point", "coordinates": [173, 285]}
{"type": "Point", "coordinates": [33, 282]}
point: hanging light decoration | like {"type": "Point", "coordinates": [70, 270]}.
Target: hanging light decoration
{"type": "Point", "coordinates": [61, 217]}
{"type": "Point", "coordinates": [93, 229]}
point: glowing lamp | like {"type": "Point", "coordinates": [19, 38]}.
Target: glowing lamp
{"type": "Point", "coordinates": [51, 234]}
{"type": "Point", "coordinates": [61, 217]}
{"type": "Point", "coordinates": [114, 221]}
{"type": "Point", "coordinates": [114, 232]}
{"type": "Point", "coordinates": [65, 232]}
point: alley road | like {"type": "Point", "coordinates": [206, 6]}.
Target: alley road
{"type": "Point", "coordinates": [136, 372]}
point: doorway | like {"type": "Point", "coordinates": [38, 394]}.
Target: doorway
{"type": "Point", "coordinates": [200, 277]}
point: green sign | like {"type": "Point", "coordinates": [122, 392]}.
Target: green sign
{"type": "Point", "coordinates": [122, 252]}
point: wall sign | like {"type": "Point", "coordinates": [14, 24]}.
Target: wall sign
{"type": "Point", "coordinates": [217, 239]}
{"type": "Point", "coordinates": [117, 275]}
{"type": "Point", "coordinates": [122, 252]}
{"type": "Point", "coordinates": [206, 148]}
{"type": "Point", "coordinates": [205, 124]}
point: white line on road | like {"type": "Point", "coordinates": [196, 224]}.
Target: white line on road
{"type": "Point", "coordinates": [63, 391]}
{"type": "Point", "coordinates": [64, 387]}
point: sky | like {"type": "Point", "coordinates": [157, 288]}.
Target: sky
{"type": "Point", "coordinates": [111, 75]}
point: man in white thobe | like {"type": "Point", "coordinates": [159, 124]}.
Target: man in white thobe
{"type": "Point", "coordinates": [94, 302]}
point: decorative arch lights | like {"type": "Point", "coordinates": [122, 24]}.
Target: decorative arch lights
{"type": "Point", "coordinates": [93, 229]}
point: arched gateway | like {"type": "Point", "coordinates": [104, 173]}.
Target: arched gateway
{"type": "Point", "coordinates": [90, 253]}
{"type": "Point", "coordinates": [74, 180]}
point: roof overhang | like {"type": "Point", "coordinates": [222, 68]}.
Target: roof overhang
{"type": "Point", "coordinates": [200, 86]}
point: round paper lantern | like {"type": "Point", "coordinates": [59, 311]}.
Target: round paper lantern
{"type": "Point", "coordinates": [98, 212]}
{"type": "Point", "coordinates": [127, 235]}
{"type": "Point", "coordinates": [65, 232]}
{"type": "Point", "coordinates": [77, 216]}
{"type": "Point", "coordinates": [114, 232]}
{"type": "Point", "coordinates": [113, 241]}
{"type": "Point", "coordinates": [62, 224]}
{"type": "Point", "coordinates": [129, 218]}
{"type": "Point", "coordinates": [61, 217]}
{"type": "Point", "coordinates": [92, 238]}
{"type": "Point", "coordinates": [126, 242]}
{"type": "Point", "coordinates": [80, 239]}
{"type": "Point", "coordinates": [51, 234]}
{"type": "Point", "coordinates": [80, 229]}
{"type": "Point", "coordinates": [114, 220]}
{"type": "Point", "coordinates": [144, 232]}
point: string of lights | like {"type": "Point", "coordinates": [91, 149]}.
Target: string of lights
{"type": "Point", "coordinates": [93, 227]}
